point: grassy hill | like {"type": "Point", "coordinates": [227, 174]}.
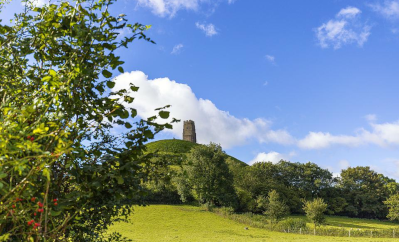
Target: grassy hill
{"type": "Point", "coordinates": [188, 223]}
{"type": "Point", "coordinates": [176, 146]}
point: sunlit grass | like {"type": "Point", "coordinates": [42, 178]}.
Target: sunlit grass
{"type": "Point", "coordinates": [355, 223]}
{"type": "Point", "coordinates": [188, 223]}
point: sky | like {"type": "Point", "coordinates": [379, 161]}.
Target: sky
{"type": "Point", "coordinates": [268, 80]}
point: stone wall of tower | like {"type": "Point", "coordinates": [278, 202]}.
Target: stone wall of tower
{"type": "Point", "coordinates": [189, 131]}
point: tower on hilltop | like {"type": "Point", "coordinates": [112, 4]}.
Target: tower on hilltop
{"type": "Point", "coordinates": [189, 131]}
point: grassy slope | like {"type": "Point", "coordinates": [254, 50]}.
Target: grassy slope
{"type": "Point", "coordinates": [176, 146]}
{"type": "Point", "coordinates": [355, 223]}
{"type": "Point", "coordinates": [186, 223]}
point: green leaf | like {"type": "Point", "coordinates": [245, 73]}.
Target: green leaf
{"type": "Point", "coordinates": [148, 134]}
{"type": "Point", "coordinates": [128, 99]}
{"type": "Point", "coordinates": [55, 213]}
{"type": "Point", "coordinates": [106, 74]}
{"type": "Point", "coordinates": [120, 69]}
{"type": "Point", "coordinates": [110, 84]}
{"type": "Point", "coordinates": [52, 73]}
{"type": "Point", "coordinates": [124, 114]}
{"type": "Point", "coordinates": [120, 180]}
{"type": "Point", "coordinates": [46, 78]}
{"type": "Point", "coordinates": [2, 175]}
{"type": "Point", "coordinates": [133, 112]}
{"type": "Point", "coordinates": [128, 125]}
{"type": "Point", "coordinates": [134, 88]}
{"type": "Point", "coordinates": [164, 114]}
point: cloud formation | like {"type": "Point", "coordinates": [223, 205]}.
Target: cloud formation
{"type": "Point", "coordinates": [221, 127]}
{"type": "Point", "coordinates": [177, 49]}
{"type": "Point", "coordinates": [371, 117]}
{"type": "Point", "coordinates": [389, 9]}
{"type": "Point", "coordinates": [212, 124]}
{"type": "Point", "coordinates": [208, 29]}
{"type": "Point", "coordinates": [384, 135]}
{"type": "Point", "coordinates": [272, 156]}
{"type": "Point", "coordinates": [271, 59]}
{"type": "Point", "coordinates": [344, 29]}
{"type": "Point", "coordinates": [164, 8]}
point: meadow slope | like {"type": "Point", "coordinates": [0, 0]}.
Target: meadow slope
{"type": "Point", "coordinates": [187, 223]}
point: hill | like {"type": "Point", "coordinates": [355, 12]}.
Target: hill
{"type": "Point", "coordinates": [177, 146]}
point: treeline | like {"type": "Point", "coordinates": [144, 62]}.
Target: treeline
{"type": "Point", "coordinates": [208, 176]}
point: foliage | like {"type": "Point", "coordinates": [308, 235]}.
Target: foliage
{"type": "Point", "coordinates": [208, 176]}
{"type": "Point", "coordinates": [293, 181]}
{"type": "Point", "coordinates": [245, 201]}
{"type": "Point", "coordinates": [291, 224]}
{"type": "Point", "coordinates": [364, 191]}
{"type": "Point", "coordinates": [315, 210]}
{"type": "Point", "coordinates": [63, 175]}
{"type": "Point", "coordinates": [393, 205]}
{"type": "Point", "coordinates": [273, 207]}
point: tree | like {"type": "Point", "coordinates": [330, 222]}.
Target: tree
{"type": "Point", "coordinates": [315, 210]}
{"type": "Point", "coordinates": [63, 174]}
{"type": "Point", "coordinates": [275, 209]}
{"type": "Point", "coordinates": [209, 177]}
{"type": "Point", "coordinates": [393, 206]}
{"type": "Point", "coordinates": [364, 191]}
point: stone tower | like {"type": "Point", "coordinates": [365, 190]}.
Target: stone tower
{"type": "Point", "coordinates": [189, 131]}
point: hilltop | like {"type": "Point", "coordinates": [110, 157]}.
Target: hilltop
{"type": "Point", "coordinates": [177, 146]}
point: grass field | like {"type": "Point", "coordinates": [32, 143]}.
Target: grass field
{"type": "Point", "coordinates": [187, 223]}
{"type": "Point", "coordinates": [355, 223]}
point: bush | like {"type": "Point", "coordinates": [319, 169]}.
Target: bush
{"type": "Point", "coordinates": [207, 207]}
{"type": "Point", "coordinates": [291, 224]}
{"type": "Point", "coordinates": [245, 201]}
{"type": "Point", "coordinates": [226, 210]}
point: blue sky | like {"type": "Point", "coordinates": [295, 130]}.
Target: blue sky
{"type": "Point", "coordinates": [298, 80]}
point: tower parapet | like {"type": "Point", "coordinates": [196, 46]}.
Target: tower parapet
{"type": "Point", "coordinates": [189, 131]}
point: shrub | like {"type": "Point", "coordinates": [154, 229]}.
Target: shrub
{"type": "Point", "coordinates": [291, 224]}
{"type": "Point", "coordinates": [208, 207]}
{"type": "Point", "coordinates": [315, 210]}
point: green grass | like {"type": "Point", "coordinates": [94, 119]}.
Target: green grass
{"type": "Point", "coordinates": [188, 223]}
{"type": "Point", "coordinates": [179, 147]}
{"type": "Point", "coordinates": [173, 146]}
{"type": "Point", "coordinates": [355, 223]}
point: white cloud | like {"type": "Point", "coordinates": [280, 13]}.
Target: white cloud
{"type": "Point", "coordinates": [209, 29]}
{"type": "Point", "coordinates": [384, 135]}
{"type": "Point", "coordinates": [349, 12]}
{"type": "Point", "coordinates": [390, 9]}
{"type": "Point", "coordinates": [371, 118]}
{"type": "Point", "coordinates": [344, 29]}
{"type": "Point", "coordinates": [319, 140]}
{"type": "Point", "coordinates": [169, 8]}
{"type": "Point", "coordinates": [177, 49]}
{"type": "Point", "coordinates": [272, 156]}
{"type": "Point", "coordinates": [212, 124]}
{"type": "Point", "coordinates": [271, 59]}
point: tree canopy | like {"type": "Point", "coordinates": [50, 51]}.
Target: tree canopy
{"type": "Point", "coordinates": [63, 174]}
